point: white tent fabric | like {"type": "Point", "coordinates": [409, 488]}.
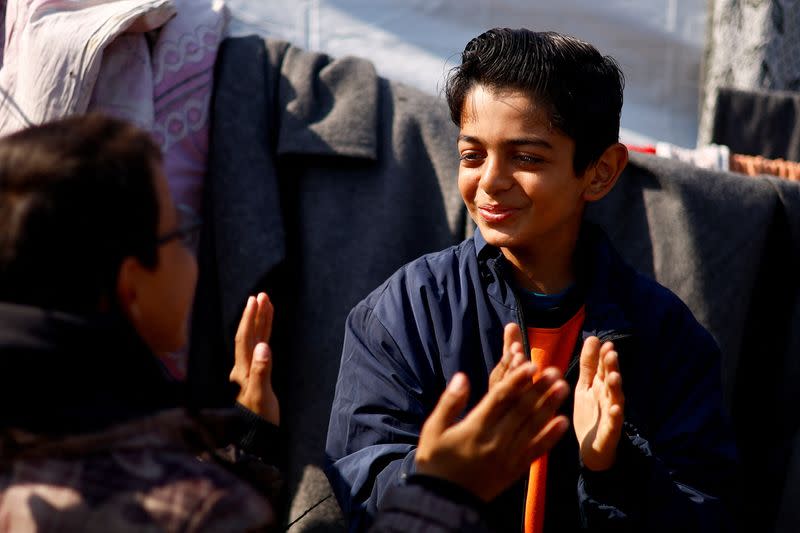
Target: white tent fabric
{"type": "Point", "coordinates": [658, 43]}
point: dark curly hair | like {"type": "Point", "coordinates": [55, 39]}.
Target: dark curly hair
{"type": "Point", "coordinates": [581, 88]}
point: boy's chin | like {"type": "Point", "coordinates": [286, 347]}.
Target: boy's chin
{"type": "Point", "coordinates": [499, 239]}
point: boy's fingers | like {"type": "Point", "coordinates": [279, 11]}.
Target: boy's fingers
{"type": "Point", "coordinates": [451, 403]}
{"type": "Point", "coordinates": [616, 395]}
{"type": "Point", "coordinates": [613, 377]}
{"type": "Point", "coordinates": [506, 392]}
{"type": "Point", "coordinates": [610, 361]}
{"type": "Point", "coordinates": [260, 371]}
{"type": "Point", "coordinates": [512, 340]}
{"type": "Point", "coordinates": [615, 398]}
{"type": "Point", "coordinates": [262, 360]}
{"type": "Point", "coordinates": [605, 349]}
{"type": "Point", "coordinates": [552, 398]}
{"type": "Point", "coordinates": [512, 345]}
{"type": "Point", "coordinates": [545, 380]}
{"type": "Point", "coordinates": [258, 395]}
{"type": "Point", "coordinates": [258, 323]}
{"type": "Point", "coordinates": [508, 337]}
{"type": "Point", "coordinates": [534, 409]}
{"type": "Point", "coordinates": [499, 371]}
{"type": "Point", "coordinates": [615, 415]}
{"type": "Point", "coordinates": [242, 342]}
{"type": "Point", "coordinates": [517, 354]}
{"type": "Point", "coordinates": [590, 355]}
{"type": "Point", "coordinates": [245, 329]}
{"type": "Point", "coordinates": [504, 364]}
{"type": "Point", "coordinates": [514, 333]}
{"type": "Point", "coordinates": [544, 441]}
{"type": "Point", "coordinates": [265, 316]}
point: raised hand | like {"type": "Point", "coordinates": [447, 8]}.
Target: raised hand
{"type": "Point", "coordinates": [513, 355]}
{"type": "Point", "coordinates": [599, 405]}
{"type": "Point", "coordinates": [494, 445]}
{"type": "Point", "coordinates": [252, 369]}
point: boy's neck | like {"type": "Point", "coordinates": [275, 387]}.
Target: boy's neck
{"type": "Point", "coordinates": [545, 270]}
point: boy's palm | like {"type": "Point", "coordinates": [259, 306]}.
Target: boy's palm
{"type": "Point", "coordinates": [599, 402]}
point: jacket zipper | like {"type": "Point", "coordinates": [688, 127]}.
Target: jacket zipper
{"type": "Point", "coordinates": [526, 347]}
{"type": "Point", "coordinates": [520, 319]}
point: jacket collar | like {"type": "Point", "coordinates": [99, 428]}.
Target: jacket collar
{"type": "Point", "coordinates": [600, 269]}
{"type": "Point", "coordinates": [482, 248]}
{"type": "Point", "coordinates": [72, 373]}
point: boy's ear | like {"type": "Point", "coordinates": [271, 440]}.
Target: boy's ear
{"type": "Point", "coordinates": [605, 172]}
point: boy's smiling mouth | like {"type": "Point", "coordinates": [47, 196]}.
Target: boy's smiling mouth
{"type": "Point", "coordinates": [496, 213]}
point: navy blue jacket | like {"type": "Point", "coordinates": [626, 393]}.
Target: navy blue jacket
{"type": "Point", "coordinates": [445, 313]}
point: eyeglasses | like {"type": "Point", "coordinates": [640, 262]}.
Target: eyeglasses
{"type": "Point", "coordinates": [188, 230]}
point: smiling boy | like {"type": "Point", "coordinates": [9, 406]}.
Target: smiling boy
{"type": "Point", "coordinates": [650, 449]}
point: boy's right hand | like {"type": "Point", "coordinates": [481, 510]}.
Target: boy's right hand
{"type": "Point", "coordinates": [494, 445]}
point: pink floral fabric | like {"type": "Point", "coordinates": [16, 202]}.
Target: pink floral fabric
{"type": "Point", "coordinates": [183, 75]}
{"type": "Point", "coordinates": [164, 86]}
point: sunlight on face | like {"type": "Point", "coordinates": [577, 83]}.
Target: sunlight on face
{"type": "Point", "coordinates": [516, 173]}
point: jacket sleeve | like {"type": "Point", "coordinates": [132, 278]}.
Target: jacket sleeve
{"type": "Point", "coordinates": [430, 504]}
{"type": "Point", "coordinates": [676, 471]}
{"type": "Point", "coordinates": [382, 399]}
{"type": "Point", "coordinates": [251, 447]}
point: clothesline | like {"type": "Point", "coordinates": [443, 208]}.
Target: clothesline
{"type": "Point", "coordinates": [719, 157]}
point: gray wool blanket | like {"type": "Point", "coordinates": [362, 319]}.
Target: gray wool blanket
{"type": "Point", "coordinates": [729, 246]}
{"type": "Point", "coordinates": [323, 179]}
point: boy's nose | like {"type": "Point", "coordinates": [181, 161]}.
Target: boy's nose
{"type": "Point", "coordinates": [495, 176]}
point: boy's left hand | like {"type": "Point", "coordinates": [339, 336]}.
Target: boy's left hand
{"type": "Point", "coordinates": [599, 402]}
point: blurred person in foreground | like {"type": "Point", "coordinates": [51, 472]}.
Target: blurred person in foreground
{"type": "Point", "coordinates": [97, 279]}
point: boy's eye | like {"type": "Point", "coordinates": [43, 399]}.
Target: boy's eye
{"type": "Point", "coordinates": [470, 156]}
{"type": "Point", "coordinates": [525, 158]}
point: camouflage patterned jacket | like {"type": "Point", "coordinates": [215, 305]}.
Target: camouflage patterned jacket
{"type": "Point", "coordinates": [143, 475]}
{"type": "Point", "coordinates": [92, 438]}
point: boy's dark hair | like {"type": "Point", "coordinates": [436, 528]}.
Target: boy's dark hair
{"type": "Point", "coordinates": [77, 196]}
{"type": "Point", "coordinates": [581, 88]}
